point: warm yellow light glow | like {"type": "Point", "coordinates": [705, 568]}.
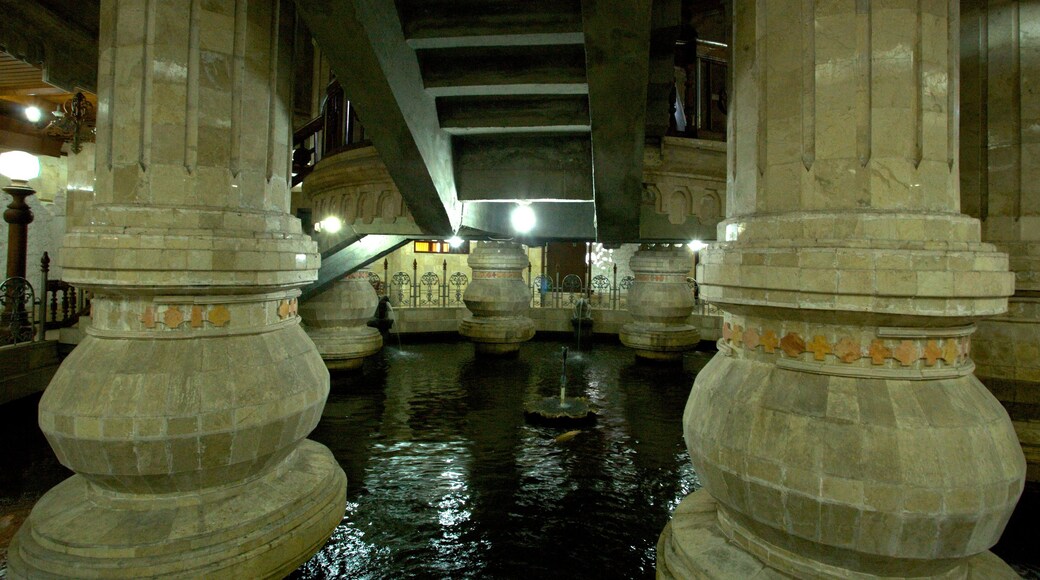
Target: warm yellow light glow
{"type": "Point", "coordinates": [33, 114]}
{"type": "Point", "coordinates": [19, 165]}
{"type": "Point", "coordinates": [331, 224]}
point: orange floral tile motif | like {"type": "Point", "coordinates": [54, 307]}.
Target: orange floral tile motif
{"type": "Point", "coordinates": [847, 350]}
{"type": "Point", "coordinates": [219, 316]}
{"type": "Point", "coordinates": [751, 339]}
{"type": "Point", "coordinates": [173, 317]}
{"type": "Point", "coordinates": [906, 353]}
{"type": "Point", "coordinates": [148, 318]}
{"type": "Point", "coordinates": [769, 341]}
{"type": "Point", "coordinates": [792, 344]}
{"type": "Point", "coordinates": [950, 350]}
{"type": "Point", "coordinates": [196, 316]}
{"type": "Point", "coordinates": [879, 352]}
{"type": "Point", "coordinates": [819, 347]}
{"type": "Point", "coordinates": [932, 353]}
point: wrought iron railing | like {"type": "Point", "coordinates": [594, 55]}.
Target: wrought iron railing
{"type": "Point", "coordinates": [26, 315]}
{"type": "Point", "coordinates": [335, 129]}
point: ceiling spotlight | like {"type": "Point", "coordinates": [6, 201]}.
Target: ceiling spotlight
{"type": "Point", "coordinates": [331, 224]}
{"type": "Point", "coordinates": [454, 241]}
{"type": "Point", "coordinates": [33, 114]}
{"type": "Point", "coordinates": [697, 245]}
{"type": "Point", "coordinates": [523, 219]}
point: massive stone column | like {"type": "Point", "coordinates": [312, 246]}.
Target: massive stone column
{"type": "Point", "coordinates": [660, 301]}
{"type": "Point", "coordinates": [497, 299]}
{"type": "Point", "coordinates": [1000, 184]}
{"type": "Point", "coordinates": [839, 432]}
{"type": "Point", "coordinates": [336, 322]}
{"type": "Point", "coordinates": [184, 411]}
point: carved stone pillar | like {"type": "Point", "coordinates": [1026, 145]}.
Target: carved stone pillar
{"type": "Point", "coordinates": [660, 301]}
{"type": "Point", "coordinates": [336, 322]}
{"type": "Point", "coordinates": [497, 299]}
{"type": "Point", "coordinates": [839, 432]}
{"type": "Point", "coordinates": [184, 411]}
{"type": "Point", "coordinates": [1000, 184]}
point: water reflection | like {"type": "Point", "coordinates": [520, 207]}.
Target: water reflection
{"type": "Point", "coordinates": [448, 480]}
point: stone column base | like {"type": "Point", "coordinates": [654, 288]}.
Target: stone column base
{"type": "Point", "coordinates": [497, 335]}
{"type": "Point", "coordinates": [659, 342]}
{"type": "Point", "coordinates": [345, 347]}
{"type": "Point", "coordinates": [263, 528]}
{"type": "Point", "coordinates": [1021, 399]}
{"type": "Point", "coordinates": [694, 544]}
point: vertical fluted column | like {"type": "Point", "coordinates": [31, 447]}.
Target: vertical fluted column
{"type": "Point", "coordinates": [497, 299]}
{"type": "Point", "coordinates": [184, 411]}
{"type": "Point", "coordinates": [336, 320]}
{"type": "Point", "coordinates": [660, 301]}
{"type": "Point", "coordinates": [1000, 184]}
{"type": "Point", "coordinates": [839, 432]}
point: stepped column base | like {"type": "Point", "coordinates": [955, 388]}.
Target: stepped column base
{"type": "Point", "coordinates": [497, 336]}
{"type": "Point", "coordinates": [345, 347]}
{"type": "Point", "coordinates": [263, 528]}
{"type": "Point", "coordinates": [702, 542]}
{"type": "Point", "coordinates": [659, 341]}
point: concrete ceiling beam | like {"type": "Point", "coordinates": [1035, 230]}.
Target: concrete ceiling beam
{"type": "Point", "coordinates": [555, 220]}
{"type": "Point", "coordinates": [523, 166]}
{"type": "Point", "coordinates": [484, 114]}
{"type": "Point", "coordinates": [365, 45]}
{"type": "Point", "coordinates": [543, 69]}
{"type": "Point", "coordinates": [432, 19]}
{"type": "Point", "coordinates": [617, 48]}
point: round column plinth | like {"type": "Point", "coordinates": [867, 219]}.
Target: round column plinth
{"type": "Point", "coordinates": [497, 335]}
{"type": "Point", "coordinates": [700, 542]}
{"type": "Point", "coordinates": [263, 528]}
{"type": "Point", "coordinates": [660, 302]}
{"type": "Point", "coordinates": [659, 342]}
{"type": "Point", "coordinates": [497, 299]}
{"type": "Point", "coordinates": [345, 348]}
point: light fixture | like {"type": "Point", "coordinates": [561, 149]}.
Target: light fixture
{"type": "Point", "coordinates": [33, 114]}
{"type": "Point", "coordinates": [19, 166]}
{"type": "Point", "coordinates": [523, 219]}
{"type": "Point", "coordinates": [455, 241]}
{"type": "Point", "coordinates": [697, 245]}
{"type": "Point", "coordinates": [74, 122]}
{"type": "Point", "coordinates": [331, 224]}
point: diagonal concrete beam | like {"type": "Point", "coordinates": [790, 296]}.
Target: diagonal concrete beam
{"type": "Point", "coordinates": [617, 52]}
{"type": "Point", "coordinates": [347, 259]}
{"type": "Point", "coordinates": [364, 42]}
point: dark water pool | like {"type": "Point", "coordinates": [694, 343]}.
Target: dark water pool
{"type": "Point", "coordinates": [447, 480]}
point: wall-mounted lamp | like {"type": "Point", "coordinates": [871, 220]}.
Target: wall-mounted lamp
{"type": "Point", "coordinates": [19, 167]}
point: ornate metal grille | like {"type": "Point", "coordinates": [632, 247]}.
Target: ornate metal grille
{"type": "Point", "coordinates": [401, 280]}
{"type": "Point", "coordinates": [17, 311]}
{"type": "Point", "coordinates": [572, 286]}
{"type": "Point", "coordinates": [600, 289]}
{"type": "Point", "coordinates": [458, 282]}
{"type": "Point", "coordinates": [430, 284]}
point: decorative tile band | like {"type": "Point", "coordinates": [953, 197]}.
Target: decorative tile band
{"type": "Point", "coordinates": [905, 348]}
{"type": "Point", "coordinates": [497, 274]}
{"type": "Point", "coordinates": [673, 278]}
{"type": "Point", "coordinates": [173, 317]}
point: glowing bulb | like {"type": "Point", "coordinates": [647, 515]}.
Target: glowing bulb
{"type": "Point", "coordinates": [523, 219]}
{"type": "Point", "coordinates": [697, 245]}
{"type": "Point", "coordinates": [33, 114]}
{"type": "Point", "coordinates": [331, 224]}
{"type": "Point", "coordinates": [19, 165]}
{"type": "Point", "coordinates": [454, 241]}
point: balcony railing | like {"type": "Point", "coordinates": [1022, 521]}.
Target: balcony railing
{"type": "Point", "coordinates": [25, 315]}
{"type": "Point", "coordinates": [335, 129]}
